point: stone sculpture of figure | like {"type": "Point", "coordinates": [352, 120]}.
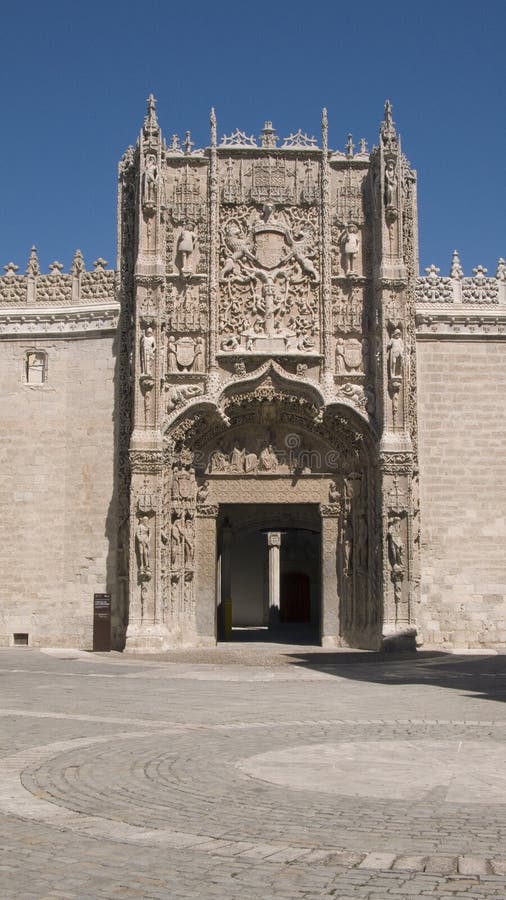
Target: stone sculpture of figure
{"type": "Point", "coordinates": [333, 492]}
{"type": "Point", "coordinates": [189, 541]}
{"type": "Point", "coordinates": [340, 363]}
{"type": "Point", "coordinates": [395, 349]}
{"type": "Point", "coordinates": [203, 492]}
{"type": "Point", "coordinates": [237, 458]}
{"type": "Point", "coordinates": [186, 246]}
{"type": "Point", "coordinates": [230, 344]}
{"type": "Point", "coordinates": [390, 183]}
{"type": "Point", "coordinates": [395, 544]}
{"type": "Point", "coordinates": [176, 547]}
{"type": "Point", "coordinates": [148, 350]}
{"type": "Point", "coordinates": [150, 180]}
{"type": "Point", "coordinates": [268, 461]}
{"type": "Point", "coordinates": [198, 359]}
{"type": "Point", "coordinates": [143, 540]}
{"type": "Point", "coordinates": [171, 354]}
{"type": "Point", "coordinates": [348, 543]}
{"type": "Point", "coordinates": [305, 344]}
{"type": "Point", "coordinates": [350, 244]}
{"type": "Point", "coordinates": [219, 462]}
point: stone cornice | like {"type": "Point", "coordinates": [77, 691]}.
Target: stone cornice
{"type": "Point", "coordinates": [58, 321]}
{"type": "Point", "coordinates": [460, 321]}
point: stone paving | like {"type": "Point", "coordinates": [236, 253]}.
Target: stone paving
{"type": "Point", "coordinates": [252, 771]}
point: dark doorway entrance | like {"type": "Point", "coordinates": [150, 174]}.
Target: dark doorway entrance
{"type": "Point", "coordinates": [295, 597]}
{"type": "Point", "coordinates": [269, 572]}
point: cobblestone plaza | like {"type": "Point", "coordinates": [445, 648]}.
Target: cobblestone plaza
{"type": "Point", "coordinates": [252, 771]}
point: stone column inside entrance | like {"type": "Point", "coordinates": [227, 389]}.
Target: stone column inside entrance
{"type": "Point", "coordinates": [274, 545]}
{"type": "Point", "coordinates": [330, 585]}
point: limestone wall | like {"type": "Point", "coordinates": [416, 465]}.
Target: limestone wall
{"type": "Point", "coordinates": [57, 528]}
{"type": "Point", "coordinates": [462, 434]}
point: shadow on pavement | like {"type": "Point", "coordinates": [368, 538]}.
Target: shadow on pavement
{"type": "Point", "coordinates": [472, 675]}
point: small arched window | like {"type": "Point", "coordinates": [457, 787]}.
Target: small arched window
{"type": "Point", "coordinates": [35, 366]}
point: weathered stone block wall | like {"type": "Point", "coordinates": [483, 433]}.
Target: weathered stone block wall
{"type": "Point", "coordinates": [57, 529]}
{"type": "Point", "coordinates": [462, 434]}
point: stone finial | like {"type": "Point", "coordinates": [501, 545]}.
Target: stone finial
{"type": "Point", "coordinates": [77, 263]}
{"type": "Point", "coordinates": [151, 127]}
{"type": "Point", "coordinates": [99, 264]}
{"type": "Point", "coordinates": [325, 130]}
{"type": "Point", "coordinates": [269, 137]}
{"type": "Point", "coordinates": [10, 269]}
{"type": "Point", "coordinates": [214, 127]}
{"type": "Point", "coordinates": [56, 268]}
{"type": "Point", "coordinates": [363, 147]}
{"type": "Point", "coordinates": [188, 143]}
{"type": "Point", "coordinates": [387, 128]}
{"type": "Point", "coordinates": [432, 271]}
{"type": "Point", "coordinates": [33, 267]}
{"type": "Point", "coordinates": [480, 271]}
{"type": "Point", "coordinates": [456, 270]}
{"type": "Point", "coordinates": [501, 269]}
{"type": "Point", "coordinates": [350, 147]}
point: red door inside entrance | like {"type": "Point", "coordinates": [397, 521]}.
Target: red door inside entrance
{"type": "Point", "coordinates": [295, 603]}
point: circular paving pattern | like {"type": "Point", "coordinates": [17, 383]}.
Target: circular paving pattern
{"type": "Point", "coordinates": [462, 771]}
{"type": "Point", "coordinates": [407, 790]}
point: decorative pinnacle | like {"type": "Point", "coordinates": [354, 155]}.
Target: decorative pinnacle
{"type": "Point", "coordinates": [99, 264]}
{"type": "Point", "coordinates": [387, 129]}
{"type": "Point", "coordinates": [11, 269]}
{"type": "Point", "coordinates": [214, 128]}
{"type": "Point", "coordinates": [33, 267]}
{"type": "Point", "coordinates": [77, 263]}
{"type": "Point", "coordinates": [151, 122]}
{"type": "Point", "coordinates": [501, 269]}
{"type": "Point", "coordinates": [269, 136]}
{"type": "Point", "coordinates": [456, 270]}
{"type": "Point", "coordinates": [325, 130]}
{"type": "Point", "coordinates": [56, 268]}
{"type": "Point", "coordinates": [350, 146]}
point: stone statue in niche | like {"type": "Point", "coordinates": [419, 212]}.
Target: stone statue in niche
{"type": "Point", "coordinates": [176, 545]}
{"type": "Point", "coordinates": [395, 350]}
{"type": "Point", "coordinates": [185, 249]}
{"type": "Point", "coordinates": [350, 244]}
{"type": "Point", "coordinates": [348, 541]}
{"type": "Point", "coordinates": [143, 542]}
{"type": "Point", "coordinates": [189, 540]}
{"type": "Point", "coordinates": [150, 181]}
{"type": "Point", "coordinates": [198, 359]}
{"type": "Point", "coordinates": [395, 544]}
{"type": "Point", "coordinates": [171, 354]}
{"type": "Point", "coordinates": [147, 352]}
{"type": "Point", "coordinates": [390, 188]}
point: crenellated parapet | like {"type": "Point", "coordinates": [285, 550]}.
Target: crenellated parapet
{"type": "Point", "coordinates": [57, 302]}
{"type": "Point", "coordinates": [461, 305]}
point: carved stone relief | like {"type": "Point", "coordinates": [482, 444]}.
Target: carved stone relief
{"type": "Point", "coordinates": [269, 279]}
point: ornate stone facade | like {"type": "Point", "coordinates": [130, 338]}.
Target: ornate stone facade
{"type": "Point", "coordinates": [266, 312]}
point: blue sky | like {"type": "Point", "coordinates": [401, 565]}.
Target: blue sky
{"type": "Point", "coordinates": [74, 79]}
